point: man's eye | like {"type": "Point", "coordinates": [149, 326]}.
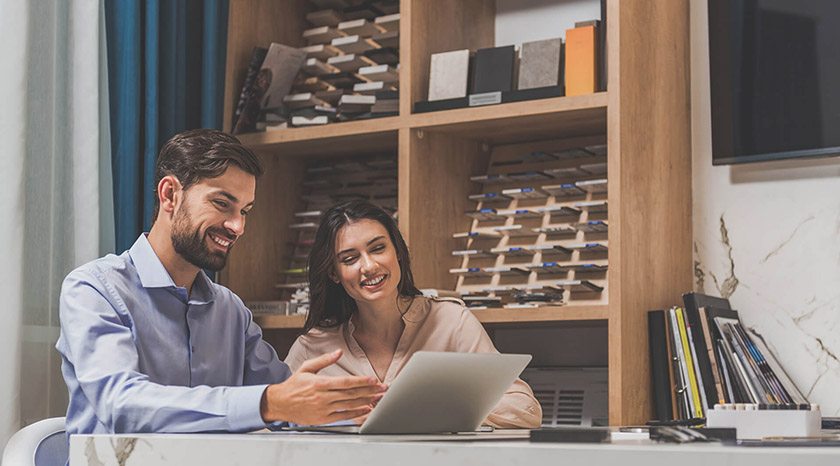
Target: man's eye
{"type": "Point", "coordinates": [221, 204]}
{"type": "Point", "coordinates": [244, 212]}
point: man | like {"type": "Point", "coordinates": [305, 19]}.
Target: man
{"type": "Point", "coordinates": [150, 344]}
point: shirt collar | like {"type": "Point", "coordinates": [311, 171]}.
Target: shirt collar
{"type": "Point", "coordinates": [153, 274]}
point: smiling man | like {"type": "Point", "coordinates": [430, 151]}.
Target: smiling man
{"type": "Point", "coordinates": [150, 344]}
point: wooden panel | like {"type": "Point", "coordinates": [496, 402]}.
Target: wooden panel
{"type": "Point", "coordinates": [522, 121]}
{"type": "Point", "coordinates": [542, 314]}
{"type": "Point", "coordinates": [430, 26]}
{"type": "Point", "coordinates": [254, 261]}
{"type": "Point", "coordinates": [375, 135]}
{"type": "Point", "coordinates": [257, 23]}
{"type": "Point", "coordinates": [434, 185]}
{"type": "Point", "coordinates": [650, 187]}
{"type": "Point", "coordinates": [489, 316]}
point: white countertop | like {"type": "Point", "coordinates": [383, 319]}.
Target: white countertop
{"type": "Point", "coordinates": [330, 449]}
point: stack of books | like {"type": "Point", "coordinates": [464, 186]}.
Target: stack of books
{"type": "Point", "coordinates": [706, 354]}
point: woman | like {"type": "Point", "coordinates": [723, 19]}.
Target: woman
{"type": "Point", "coordinates": [363, 300]}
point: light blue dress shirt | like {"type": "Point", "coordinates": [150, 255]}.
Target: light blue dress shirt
{"type": "Point", "coordinates": [139, 355]}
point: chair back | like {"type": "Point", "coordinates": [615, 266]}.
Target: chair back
{"type": "Point", "coordinates": [43, 443]}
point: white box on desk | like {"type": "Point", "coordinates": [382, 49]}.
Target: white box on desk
{"type": "Point", "coordinates": [758, 424]}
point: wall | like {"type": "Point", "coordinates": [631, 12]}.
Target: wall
{"type": "Point", "coordinates": [767, 236]}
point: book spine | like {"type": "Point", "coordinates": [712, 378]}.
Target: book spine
{"type": "Point", "coordinates": [710, 350]}
{"type": "Point", "coordinates": [669, 341]}
{"type": "Point", "coordinates": [692, 380]}
{"type": "Point", "coordinates": [724, 367]}
{"type": "Point", "coordinates": [785, 380]}
{"type": "Point", "coordinates": [682, 388]}
{"type": "Point", "coordinates": [659, 365]}
{"type": "Point", "coordinates": [698, 375]}
{"type": "Point", "coordinates": [581, 60]}
{"type": "Point", "coordinates": [254, 65]}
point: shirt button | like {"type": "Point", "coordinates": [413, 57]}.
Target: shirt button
{"type": "Point", "coordinates": [193, 349]}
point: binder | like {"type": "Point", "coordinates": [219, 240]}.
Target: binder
{"type": "Point", "coordinates": [659, 365]}
{"type": "Point", "coordinates": [682, 390]}
{"type": "Point", "coordinates": [693, 302]}
{"type": "Point", "coordinates": [689, 362]}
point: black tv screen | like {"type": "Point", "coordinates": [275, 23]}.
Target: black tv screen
{"type": "Point", "coordinates": [775, 79]}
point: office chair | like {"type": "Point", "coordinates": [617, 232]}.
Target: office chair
{"type": "Point", "coordinates": [43, 443]}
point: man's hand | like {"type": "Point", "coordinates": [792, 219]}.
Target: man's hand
{"type": "Point", "coordinates": [309, 399]}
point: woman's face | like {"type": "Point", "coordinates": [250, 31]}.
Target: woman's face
{"type": "Point", "coordinates": [366, 262]}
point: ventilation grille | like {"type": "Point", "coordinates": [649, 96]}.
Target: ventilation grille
{"type": "Point", "coordinates": [560, 407]}
{"type": "Point", "coordinates": [570, 396]}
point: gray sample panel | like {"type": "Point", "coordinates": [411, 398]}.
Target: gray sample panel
{"type": "Point", "coordinates": [448, 75]}
{"type": "Point", "coordinates": [541, 64]}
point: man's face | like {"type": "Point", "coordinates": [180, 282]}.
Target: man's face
{"type": "Point", "coordinates": [211, 217]}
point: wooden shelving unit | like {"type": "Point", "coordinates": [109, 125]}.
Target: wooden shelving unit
{"type": "Point", "coordinates": [644, 116]}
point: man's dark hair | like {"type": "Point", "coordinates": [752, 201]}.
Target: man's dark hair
{"type": "Point", "coordinates": [200, 154]}
{"type": "Point", "coordinates": [329, 303]}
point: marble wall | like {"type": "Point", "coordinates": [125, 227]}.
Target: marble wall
{"type": "Point", "coordinates": [767, 236]}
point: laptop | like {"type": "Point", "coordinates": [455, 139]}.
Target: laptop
{"type": "Point", "coordinates": [439, 392]}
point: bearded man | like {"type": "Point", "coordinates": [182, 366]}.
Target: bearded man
{"type": "Point", "coordinates": [150, 344]}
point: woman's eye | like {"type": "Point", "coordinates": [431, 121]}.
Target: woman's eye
{"type": "Point", "coordinates": [348, 260]}
{"type": "Point", "coordinates": [378, 248]}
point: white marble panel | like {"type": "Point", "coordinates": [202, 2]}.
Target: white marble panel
{"type": "Point", "coordinates": [767, 236]}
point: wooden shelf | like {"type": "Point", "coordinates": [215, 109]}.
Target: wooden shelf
{"type": "Point", "coordinates": [542, 314]}
{"type": "Point", "coordinates": [349, 137]}
{"type": "Point", "coordinates": [552, 118]}
{"type": "Point", "coordinates": [486, 316]}
{"type": "Point", "coordinates": [277, 322]}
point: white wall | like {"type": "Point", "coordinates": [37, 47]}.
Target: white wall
{"type": "Point", "coordinates": [519, 21]}
{"type": "Point", "coordinates": [767, 236]}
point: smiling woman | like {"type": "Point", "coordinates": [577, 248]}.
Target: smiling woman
{"type": "Point", "coordinates": [364, 301]}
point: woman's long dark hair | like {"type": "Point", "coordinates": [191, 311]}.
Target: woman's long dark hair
{"type": "Point", "coordinates": [329, 304]}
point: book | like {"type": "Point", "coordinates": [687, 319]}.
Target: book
{"type": "Point", "coordinates": [681, 389]}
{"type": "Point", "coordinates": [794, 393]}
{"type": "Point", "coordinates": [659, 366]}
{"type": "Point", "coordinates": [272, 83]}
{"type": "Point", "coordinates": [581, 68]}
{"type": "Point", "coordinates": [689, 362]}
{"type": "Point", "coordinates": [321, 35]}
{"type": "Point", "coordinates": [320, 51]}
{"type": "Point", "coordinates": [692, 302]}
{"type": "Point", "coordinates": [254, 65]}
{"type": "Point", "coordinates": [353, 44]}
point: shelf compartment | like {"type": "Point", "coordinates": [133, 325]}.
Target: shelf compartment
{"type": "Point", "coordinates": [552, 118]}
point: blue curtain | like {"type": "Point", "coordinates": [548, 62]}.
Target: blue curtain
{"type": "Point", "coordinates": [166, 61]}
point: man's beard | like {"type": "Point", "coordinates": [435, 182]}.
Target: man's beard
{"type": "Point", "coordinates": [192, 246]}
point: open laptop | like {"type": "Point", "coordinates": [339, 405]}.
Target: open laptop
{"type": "Point", "coordinates": [438, 392]}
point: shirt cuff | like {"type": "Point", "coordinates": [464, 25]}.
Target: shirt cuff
{"type": "Point", "coordinates": [244, 408]}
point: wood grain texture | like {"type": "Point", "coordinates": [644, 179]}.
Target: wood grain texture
{"type": "Point", "coordinates": [434, 185]}
{"type": "Point", "coordinates": [253, 265]}
{"type": "Point", "coordinates": [433, 26]}
{"type": "Point", "coordinates": [649, 186]}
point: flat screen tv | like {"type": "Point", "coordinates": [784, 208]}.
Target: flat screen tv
{"type": "Point", "coordinates": [775, 79]}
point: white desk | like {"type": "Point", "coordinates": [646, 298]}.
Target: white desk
{"type": "Point", "coordinates": [319, 449]}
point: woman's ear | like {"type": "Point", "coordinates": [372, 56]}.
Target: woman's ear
{"type": "Point", "coordinates": [334, 277]}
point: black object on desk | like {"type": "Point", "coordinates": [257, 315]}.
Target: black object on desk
{"type": "Point", "coordinates": [571, 434]}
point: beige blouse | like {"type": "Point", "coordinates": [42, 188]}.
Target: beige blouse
{"type": "Point", "coordinates": [430, 325]}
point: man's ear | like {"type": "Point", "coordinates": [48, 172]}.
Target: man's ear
{"type": "Point", "coordinates": [169, 193]}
